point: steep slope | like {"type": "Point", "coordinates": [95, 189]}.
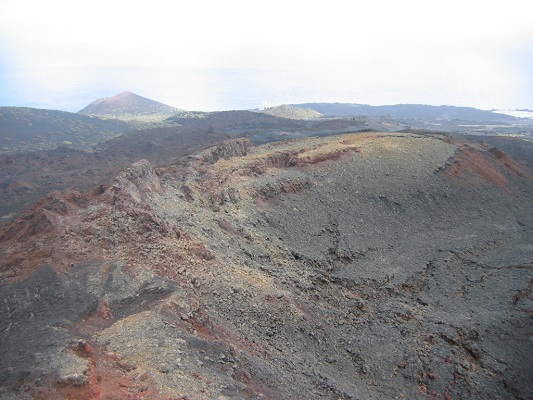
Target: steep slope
{"type": "Point", "coordinates": [129, 106]}
{"type": "Point", "coordinates": [31, 129]}
{"type": "Point", "coordinates": [357, 266]}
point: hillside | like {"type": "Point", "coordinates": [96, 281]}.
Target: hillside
{"type": "Point", "coordinates": [286, 111]}
{"type": "Point", "coordinates": [129, 106]}
{"type": "Point", "coordinates": [407, 111]}
{"type": "Point", "coordinates": [31, 129]}
{"type": "Point", "coordinates": [368, 265]}
{"type": "Point", "coordinates": [26, 177]}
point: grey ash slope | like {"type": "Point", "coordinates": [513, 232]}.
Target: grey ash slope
{"type": "Point", "coordinates": [385, 278]}
{"type": "Point", "coordinates": [130, 106]}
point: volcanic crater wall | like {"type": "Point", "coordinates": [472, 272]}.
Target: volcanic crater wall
{"type": "Point", "coordinates": [359, 266]}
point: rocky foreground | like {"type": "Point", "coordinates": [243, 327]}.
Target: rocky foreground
{"type": "Point", "coordinates": [360, 266]}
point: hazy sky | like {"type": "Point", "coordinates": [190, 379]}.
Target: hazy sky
{"type": "Point", "coordinates": [215, 55]}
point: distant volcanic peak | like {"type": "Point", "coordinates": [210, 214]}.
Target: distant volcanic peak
{"type": "Point", "coordinates": [128, 105]}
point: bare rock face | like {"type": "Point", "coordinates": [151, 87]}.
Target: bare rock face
{"type": "Point", "coordinates": [228, 149]}
{"type": "Point", "coordinates": [136, 182]}
{"type": "Point", "coordinates": [368, 266]}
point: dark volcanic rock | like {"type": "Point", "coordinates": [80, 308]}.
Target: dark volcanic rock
{"type": "Point", "coordinates": [371, 266]}
{"type": "Point", "coordinates": [35, 315]}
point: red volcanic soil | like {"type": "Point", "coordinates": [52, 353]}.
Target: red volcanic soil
{"type": "Point", "coordinates": [108, 379]}
{"type": "Point", "coordinates": [483, 164]}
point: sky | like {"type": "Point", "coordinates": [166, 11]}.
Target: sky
{"type": "Point", "coordinates": [235, 54]}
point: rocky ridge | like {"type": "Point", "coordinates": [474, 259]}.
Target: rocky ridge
{"type": "Point", "coordinates": [373, 265]}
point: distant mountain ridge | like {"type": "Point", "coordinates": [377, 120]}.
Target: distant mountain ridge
{"type": "Point", "coordinates": [129, 106]}
{"type": "Point", "coordinates": [407, 111]}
